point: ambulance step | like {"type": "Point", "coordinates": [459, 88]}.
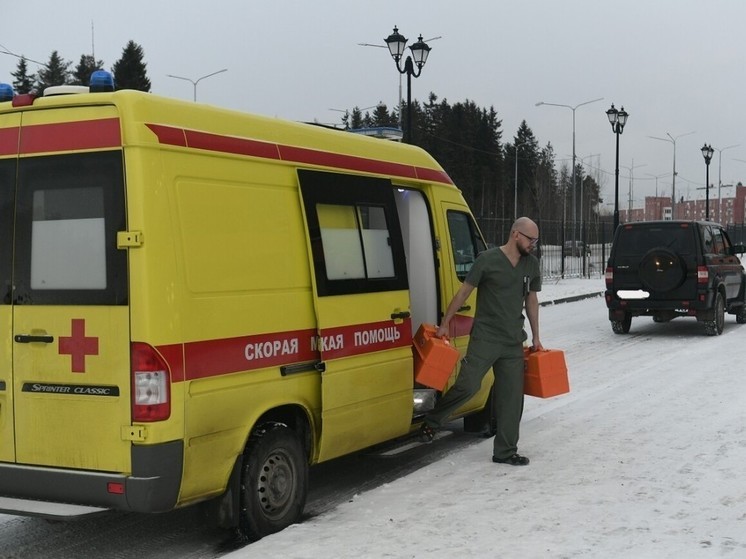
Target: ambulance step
{"type": "Point", "coordinates": [25, 507]}
{"type": "Point", "coordinates": [407, 444]}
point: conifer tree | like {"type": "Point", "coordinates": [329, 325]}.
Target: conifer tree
{"type": "Point", "coordinates": [56, 72]}
{"type": "Point", "coordinates": [23, 81]}
{"type": "Point", "coordinates": [84, 69]}
{"type": "Point", "coordinates": [130, 70]}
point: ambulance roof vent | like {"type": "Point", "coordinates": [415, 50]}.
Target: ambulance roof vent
{"type": "Point", "coordinates": [6, 92]}
{"type": "Point", "coordinates": [101, 81]}
{"type": "Point", "coordinates": [64, 90]}
{"type": "Point", "coordinates": [385, 132]}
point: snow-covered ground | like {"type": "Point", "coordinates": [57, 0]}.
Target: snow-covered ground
{"type": "Point", "coordinates": [644, 458]}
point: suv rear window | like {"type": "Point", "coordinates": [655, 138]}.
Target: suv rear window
{"type": "Point", "coordinates": [638, 241]}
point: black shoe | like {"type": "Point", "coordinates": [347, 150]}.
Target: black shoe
{"type": "Point", "coordinates": [426, 434]}
{"type": "Point", "coordinates": [514, 460]}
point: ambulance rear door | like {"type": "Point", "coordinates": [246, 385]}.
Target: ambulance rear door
{"type": "Point", "coordinates": [70, 337]}
{"type": "Point", "coordinates": [362, 303]}
{"type": "Point", "coordinates": [9, 133]}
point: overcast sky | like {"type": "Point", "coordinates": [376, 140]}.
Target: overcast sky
{"type": "Point", "coordinates": [677, 66]}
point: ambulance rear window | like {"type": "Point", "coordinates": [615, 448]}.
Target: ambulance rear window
{"type": "Point", "coordinates": [69, 209]}
{"type": "Point", "coordinates": [68, 237]}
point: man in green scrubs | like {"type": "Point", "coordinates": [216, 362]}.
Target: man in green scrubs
{"type": "Point", "coordinates": [508, 278]}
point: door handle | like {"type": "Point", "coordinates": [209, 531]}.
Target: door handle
{"type": "Point", "coordinates": [27, 339]}
{"type": "Point", "coordinates": [464, 308]}
{"type": "Point", "coordinates": [403, 314]}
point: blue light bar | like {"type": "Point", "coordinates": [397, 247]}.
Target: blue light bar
{"type": "Point", "coordinates": [6, 92]}
{"type": "Point", "coordinates": [101, 81]}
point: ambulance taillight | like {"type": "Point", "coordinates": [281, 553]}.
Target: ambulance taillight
{"type": "Point", "coordinates": [151, 384]}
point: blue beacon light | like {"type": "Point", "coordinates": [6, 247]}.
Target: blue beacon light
{"type": "Point", "coordinates": [101, 81]}
{"type": "Point", "coordinates": [6, 92]}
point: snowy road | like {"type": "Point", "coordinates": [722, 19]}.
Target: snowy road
{"type": "Point", "coordinates": [644, 458]}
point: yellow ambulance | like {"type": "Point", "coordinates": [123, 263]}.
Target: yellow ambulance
{"type": "Point", "coordinates": [199, 304]}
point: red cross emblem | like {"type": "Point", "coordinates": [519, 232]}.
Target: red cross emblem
{"type": "Point", "coordinates": [78, 345]}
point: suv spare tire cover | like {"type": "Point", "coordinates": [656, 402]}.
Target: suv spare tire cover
{"type": "Point", "coordinates": [661, 270]}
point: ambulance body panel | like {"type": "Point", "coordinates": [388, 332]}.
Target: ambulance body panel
{"type": "Point", "coordinates": [189, 291]}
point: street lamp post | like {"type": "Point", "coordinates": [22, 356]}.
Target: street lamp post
{"type": "Point", "coordinates": [582, 162]}
{"type": "Point", "coordinates": [420, 51]}
{"type": "Point", "coordinates": [574, 186]}
{"type": "Point", "coordinates": [720, 182]}
{"type": "Point", "coordinates": [617, 118]}
{"type": "Point", "coordinates": [707, 152]}
{"type": "Point", "coordinates": [195, 82]}
{"type": "Point", "coordinates": [672, 140]}
{"type": "Point", "coordinates": [630, 199]}
{"type": "Point", "coordinates": [515, 186]}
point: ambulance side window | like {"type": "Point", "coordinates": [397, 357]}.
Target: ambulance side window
{"type": "Point", "coordinates": [356, 239]}
{"type": "Point", "coordinates": [69, 210]}
{"type": "Point", "coordinates": [466, 243]}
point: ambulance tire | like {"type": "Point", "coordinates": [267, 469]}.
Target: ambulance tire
{"type": "Point", "coordinates": [274, 481]}
{"type": "Point", "coordinates": [482, 422]}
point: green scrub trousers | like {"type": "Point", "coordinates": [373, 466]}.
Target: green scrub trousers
{"type": "Point", "coordinates": [507, 391]}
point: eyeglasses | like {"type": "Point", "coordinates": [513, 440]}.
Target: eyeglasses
{"type": "Point", "coordinates": [532, 240]}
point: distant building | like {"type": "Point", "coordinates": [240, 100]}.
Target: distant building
{"type": "Point", "coordinates": [732, 210]}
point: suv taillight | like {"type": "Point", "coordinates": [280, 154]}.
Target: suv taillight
{"type": "Point", "coordinates": [609, 276]}
{"type": "Point", "coordinates": [151, 384]}
{"type": "Point", "coordinates": [703, 276]}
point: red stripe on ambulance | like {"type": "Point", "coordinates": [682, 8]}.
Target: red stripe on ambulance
{"type": "Point", "coordinates": [219, 357]}
{"type": "Point", "coordinates": [344, 341]}
{"type": "Point", "coordinates": [9, 140]}
{"type": "Point", "coordinates": [196, 139]}
{"type": "Point", "coordinates": [71, 136]}
{"type": "Point", "coordinates": [212, 358]}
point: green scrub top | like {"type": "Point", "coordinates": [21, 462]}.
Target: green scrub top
{"type": "Point", "coordinates": [501, 292]}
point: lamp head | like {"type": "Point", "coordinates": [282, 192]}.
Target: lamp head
{"type": "Point", "coordinates": [613, 116]}
{"type": "Point", "coordinates": [622, 119]}
{"type": "Point", "coordinates": [420, 50]}
{"type": "Point", "coordinates": [396, 43]}
{"type": "Point", "coordinates": [707, 152]}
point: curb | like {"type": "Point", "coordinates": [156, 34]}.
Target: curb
{"type": "Point", "coordinates": [572, 299]}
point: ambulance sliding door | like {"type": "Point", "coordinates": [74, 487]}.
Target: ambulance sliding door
{"type": "Point", "coordinates": [9, 130]}
{"type": "Point", "coordinates": [362, 306]}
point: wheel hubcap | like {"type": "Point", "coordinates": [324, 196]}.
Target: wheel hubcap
{"type": "Point", "coordinates": [275, 487]}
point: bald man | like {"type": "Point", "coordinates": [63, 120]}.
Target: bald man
{"type": "Point", "coordinates": [508, 278]}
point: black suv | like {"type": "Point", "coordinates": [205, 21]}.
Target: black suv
{"type": "Point", "coordinates": [666, 269]}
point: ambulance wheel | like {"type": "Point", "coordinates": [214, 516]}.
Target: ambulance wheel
{"type": "Point", "coordinates": [274, 481]}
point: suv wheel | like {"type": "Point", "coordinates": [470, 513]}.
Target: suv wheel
{"type": "Point", "coordinates": [741, 314]}
{"type": "Point", "coordinates": [661, 270]}
{"type": "Point", "coordinates": [622, 326]}
{"type": "Point", "coordinates": [714, 327]}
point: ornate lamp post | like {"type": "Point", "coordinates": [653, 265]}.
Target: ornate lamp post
{"type": "Point", "coordinates": [617, 119]}
{"type": "Point", "coordinates": [420, 50]}
{"type": "Point", "coordinates": [707, 152]}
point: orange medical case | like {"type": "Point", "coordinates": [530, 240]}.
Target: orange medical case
{"type": "Point", "coordinates": [434, 358]}
{"type": "Point", "coordinates": [545, 373]}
